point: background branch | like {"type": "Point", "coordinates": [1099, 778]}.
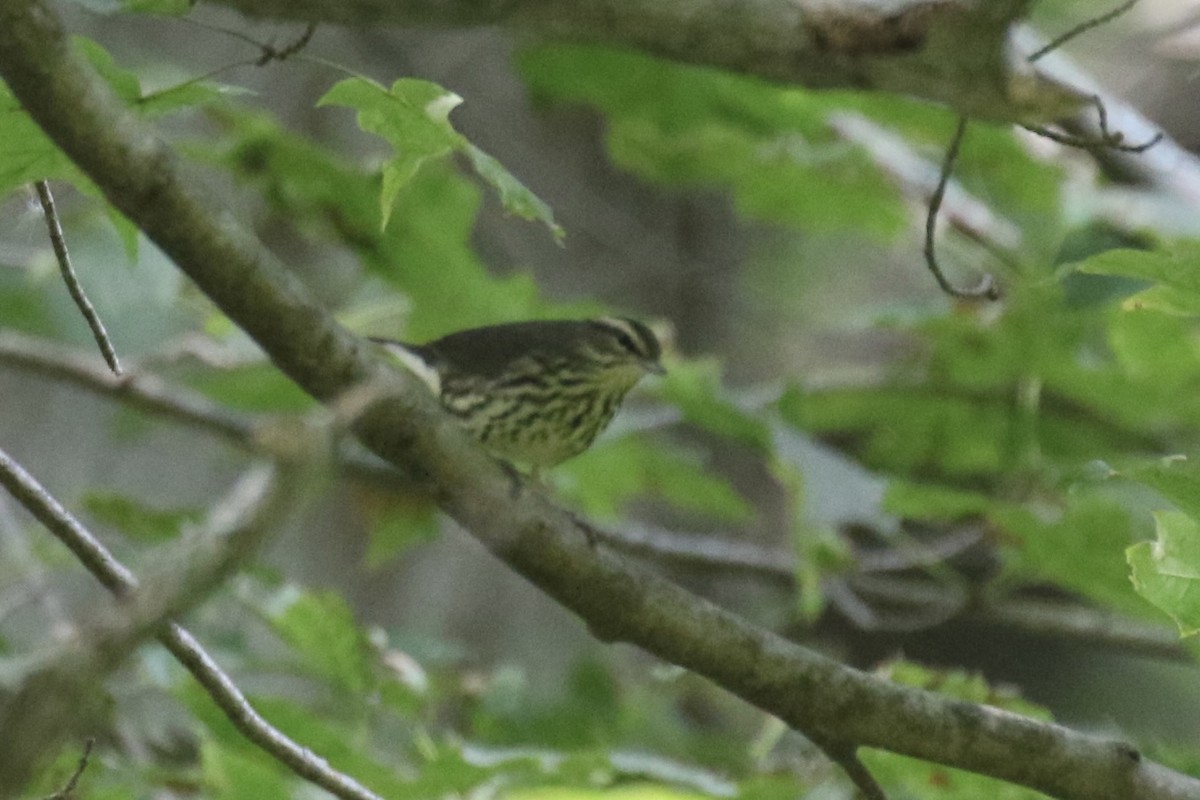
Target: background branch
{"type": "Point", "coordinates": [1168, 167]}
{"type": "Point", "coordinates": [61, 697]}
{"type": "Point", "coordinates": [148, 392]}
{"type": "Point", "coordinates": [139, 390]}
{"type": "Point", "coordinates": [253, 509]}
{"type": "Point", "coordinates": [951, 51]}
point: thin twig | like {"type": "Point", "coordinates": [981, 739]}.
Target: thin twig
{"type": "Point", "coordinates": [272, 53]}
{"type": "Point", "coordinates": [969, 216]}
{"type": "Point", "coordinates": [1088, 142]}
{"type": "Point", "coordinates": [61, 696]}
{"type": "Point", "coordinates": [119, 580]}
{"type": "Point", "coordinates": [65, 792]}
{"type": "Point", "coordinates": [146, 391]}
{"type": "Point", "coordinates": [909, 553]}
{"type": "Point", "coordinates": [987, 287]}
{"type": "Point", "coordinates": [268, 52]}
{"type": "Point", "coordinates": [198, 79]}
{"type": "Point", "coordinates": [1116, 139]}
{"type": "Point", "coordinates": [1083, 27]}
{"type": "Point", "coordinates": [1107, 140]}
{"type": "Point", "coordinates": [72, 281]}
{"type": "Point", "coordinates": [140, 390]}
{"type": "Point", "coordinates": [908, 605]}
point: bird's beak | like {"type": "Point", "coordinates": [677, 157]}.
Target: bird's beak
{"type": "Point", "coordinates": [655, 368]}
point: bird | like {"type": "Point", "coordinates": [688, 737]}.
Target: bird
{"type": "Point", "coordinates": [537, 392]}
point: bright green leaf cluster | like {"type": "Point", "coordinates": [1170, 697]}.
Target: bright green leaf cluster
{"type": "Point", "coordinates": [693, 126]}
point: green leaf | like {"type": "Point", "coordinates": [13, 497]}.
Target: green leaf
{"type": "Point", "coordinates": [931, 502]}
{"type": "Point", "coordinates": [514, 195]}
{"type": "Point", "coordinates": [138, 520]}
{"type": "Point", "coordinates": [695, 387]}
{"type": "Point", "coordinates": [588, 713]}
{"type": "Point", "coordinates": [321, 629]}
{"type": "Point", "coordinates": [613, 472]}
{"type": "Point", "coordinates": [1039, 386]}
{"type": "Point", "coordinates": [636, 791]}
{"type": "Point", "coordinates": [1175, 270]}
{"type": "Point", "coordinates": [251, 387]}
{"type": "Point", "coordinates": [414, 118]}
{"type": "Point", "coordinates": [1176, 479]}
{"type": "Point", "coordinates": [919, 780]}
{"type": "Point", "coordinates": [27, 155]}
{"type": "Point", "coordinates": [23, 305]}
{"type": "Point", "coordinates": [121, 81]}
{"type": "Point", "coordinates": [432, 224]}
{"type": "Point", "coordinates": [236, 775]}
{"type": "Point", "coordinates": [1080, 549]}
{"type": "Point", "coordinates": [910, 431]}
{"type": "Point", "coordinates": [397, 527]}
{"type": "Point", "coordinates": [1167, 571]}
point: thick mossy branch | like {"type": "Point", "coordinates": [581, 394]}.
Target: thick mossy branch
{"type": "Point", "coordinates": [956, 52]}
{"type": "Point", "coordinates": [837, 705]}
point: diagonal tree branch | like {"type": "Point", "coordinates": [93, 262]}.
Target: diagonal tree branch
{"type": "Point", "coordinates": [838, 706]}
{"type": "Point", "coordinates": [927, 604]}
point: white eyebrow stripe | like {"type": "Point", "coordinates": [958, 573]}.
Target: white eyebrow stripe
{"type": "Point", "coordinates": [417, 366]}
{"type": "Point", "coordinates": [625, 327]}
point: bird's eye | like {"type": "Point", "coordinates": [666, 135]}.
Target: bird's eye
{"type": "Point", "coordinates": [626, 341]}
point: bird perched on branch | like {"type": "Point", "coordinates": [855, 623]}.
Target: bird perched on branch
{"type": "Point", "coordinates": [536, 392]}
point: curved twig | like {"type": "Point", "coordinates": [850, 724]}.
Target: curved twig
{"type": "Point", "coordinates": [72, 280]}
{"type": "Point", "coordinates": [986, 289]}
{"type": "Point", "coordinates": [1107, 140]}
{"type": "Point", "coordinates": [271, 53]}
